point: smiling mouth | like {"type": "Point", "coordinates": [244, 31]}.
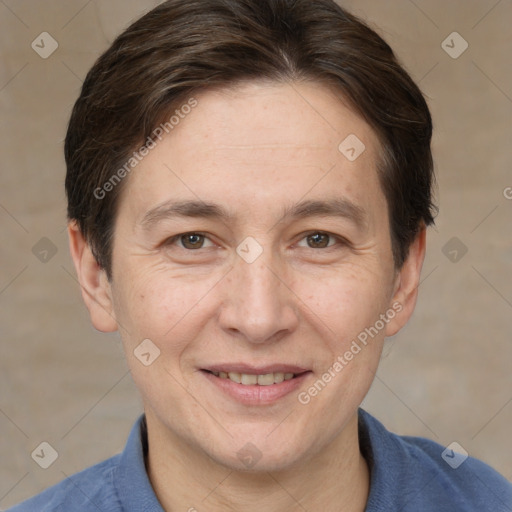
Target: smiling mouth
{"type": "Point", "coordinates": [247, 379]}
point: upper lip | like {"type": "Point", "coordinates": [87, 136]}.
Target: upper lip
{"type": "Point", "coordinates": [249, 369]}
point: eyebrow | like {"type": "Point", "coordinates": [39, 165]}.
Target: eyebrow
{"type": "Point", "coordinates": [335, 207]}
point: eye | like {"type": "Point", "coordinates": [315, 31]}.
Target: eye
{"type": "Point", "coordinates": [189, 241]}
{"type": "Point", "coordinates": [320, 240]}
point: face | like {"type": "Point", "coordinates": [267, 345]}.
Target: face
{"type": "Point", "coordinates": [247, 243]}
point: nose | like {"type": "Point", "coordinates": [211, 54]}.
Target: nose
{"type": "Point", "coordinates": [258, 305]}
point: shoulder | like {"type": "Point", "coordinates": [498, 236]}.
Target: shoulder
{"type": "Point", "coordinates": [117, 484]}
{"type": "Point", "coordinates": [451, 476]}
{"type": "Point", "coordinates": [417, 474]}
{"type": "Point", "coordinates": [90, 490]}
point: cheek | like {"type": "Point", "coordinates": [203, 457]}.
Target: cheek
{"type": "Point", "coordinates": [157, 305]}
{"type": "Point", "coordinates": [345, 300]}
{"type": "Point", "coordinates": [170, 313]}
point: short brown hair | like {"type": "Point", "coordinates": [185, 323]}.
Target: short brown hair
{"type": "Point", "coordinates": [185, 46]}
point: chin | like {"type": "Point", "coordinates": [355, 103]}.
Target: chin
{"type": "Point", "coordinates": [257, 454]}
{"type": "Point", "coordinates": [249, 459]}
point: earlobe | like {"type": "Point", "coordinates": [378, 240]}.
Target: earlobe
{"type": "Point", "coordinates": [96, 289]}
{"type": "Point", "coordinates": [407, 282]}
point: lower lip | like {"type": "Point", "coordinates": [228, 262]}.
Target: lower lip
{"type": "Point", "coordinates": [256, 394]}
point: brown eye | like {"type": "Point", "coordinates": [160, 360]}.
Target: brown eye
{"type": "Point", "coordinates": [192, 240]}
{"type": "Point", "coordinates": [318, 240]}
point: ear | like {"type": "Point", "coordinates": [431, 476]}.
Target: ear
{"type": "Point", "coordinates": [96, 289]}
{"type": "Point", "coordinates": [406, 284]}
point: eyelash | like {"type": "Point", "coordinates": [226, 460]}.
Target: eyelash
{"type": "Point", "coordinates": [340, 241]}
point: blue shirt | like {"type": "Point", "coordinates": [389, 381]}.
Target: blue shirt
{"type": "Point", "coordinates": [408, 474]}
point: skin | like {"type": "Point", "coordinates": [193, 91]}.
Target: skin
{"type": "Point", "coordinates": [254, 150]}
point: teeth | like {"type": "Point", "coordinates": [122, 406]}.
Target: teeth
{"type": "Point", "coordinates": [236, 377]}
{"type": "Point", "coordinates": [250, 380]}
{"type": "Point", "coordinates": [279, 377]}
{"type": "Point", "coordinates": [265, 380]}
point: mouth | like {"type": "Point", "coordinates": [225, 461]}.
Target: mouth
{"type": "Point", "coordinates": [250, 379]}
{"type": "Point", "coordinates": [256, 386]}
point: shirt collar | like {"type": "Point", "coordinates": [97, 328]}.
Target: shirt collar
{"type": "Point", "coordinates": [386, 459]}
{"type": "Point", "coordinates": [137, 495]}
{"type": "Point", "coordinates": [131, 479]}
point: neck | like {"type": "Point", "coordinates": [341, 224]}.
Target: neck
{"type": "Point", "coordinates": [335, 479]}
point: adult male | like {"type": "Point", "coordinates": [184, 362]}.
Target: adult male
{"type": "Point", "coordinates": [249, 185]}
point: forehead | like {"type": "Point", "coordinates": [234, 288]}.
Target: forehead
{"type": "Point", "coordinates": [269, 119]}
{"type": "Point", "coordinates": [263, 145]}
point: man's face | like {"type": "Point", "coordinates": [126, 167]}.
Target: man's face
{"type": "Point", "coordinates": [273, 288]}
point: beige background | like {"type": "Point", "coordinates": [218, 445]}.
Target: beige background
{"type": "Point", "coordinates": [446, 376]}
